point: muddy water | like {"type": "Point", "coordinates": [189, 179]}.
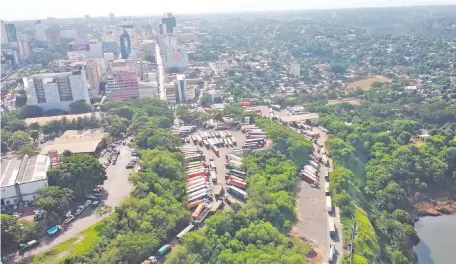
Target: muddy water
{"type": "Point", "coordinates": [438, 240]}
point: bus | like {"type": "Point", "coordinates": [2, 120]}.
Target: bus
{"type": "Point", "coordinates": [185, 231]}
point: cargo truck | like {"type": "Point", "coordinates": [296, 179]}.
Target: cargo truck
{"type": "Point", "coordinates": [234, 141]}
{"type": "Point", "coordinates": [328, 204]}
{"type": "Point", "coordinates": [309, 178]}
{"type": "Point", "coordinates": [198, 196]}
{"type": "Point", "coordinates": [198, 211]}
{"type": "Point", "coordinates": [237, 192]}
{"type": "Point", "coordinates": [197, 182]}
{"type": "Point", "coordinates": [240, 184]}
{"type": "Point", "coordinates": [231, 177]}
{"type": "Point", "coordinates": [233, 167]}
{"type": "Point", "coordinates": [164, 250]}
{"type": "Point", "coordinates": [255, 140]}
{"type": "Point", "coordinates": [194, 204]}
{"type": "Point", "coordinates": [218, 191]}
{"type": "Point", "coordinates": [199, 139]}
{"type": "Point", "coordinates": [331, 226]}
{"type": "Point", "coordinates": [235, 162]}
{"type": "Point", "coordinates": [213, 174]}
{"type": "Point", "coordinates": [233, 157]}
{"type": "Point", "coordinates": [215, 206]}
{"type": "Point", "coordinates": [237, 173]}
{"type": "Point", "coordinates": [195, 174]}
{"type": "Point", "coordinates": [215, 150]}
{"type": "Point", "coordinates": [196, 188]}
{"type": "Point", "coordinates": [206, 143]}
{"type": "Point", "coordinates": [185, 231]}
{"type": "Point", "coordinates": [327, 188]}
{"type": "Point", "coordinates": [229, 200]}
{"type": "Point", "coordinates": [223, 126]}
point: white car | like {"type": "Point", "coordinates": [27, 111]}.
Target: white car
{"type": "Point", "coordinates": [87, 203]}
{"type": "Point", "coordinates": [332, 252]}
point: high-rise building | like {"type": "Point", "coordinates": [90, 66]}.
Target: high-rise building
{"type": "Point", "coordinates": [56, 90]}
{"type": "Point", "coordinates": [122, 84]}
{"type": "Point", "coordinates": [39, 31]}
{"type": "Point", "coordinates": [148, 90]}
{"type": "Point", "coordinates": [85, 49]}
{"type": "Point", "coordinates": [181, 88]}
{"type": "Point", "coordinates": [174, 56]}
{"type": "Point", "coordinates": [24, 45]}
{"type": "Point", "coordinates": [53, 34]}
{"type": "Point", "coordinates": [92, 69]}
{"type": "Point", "coordinates": [130, 39]}
{"type": "Point", "coordinates": [4, 37]}
{"type": "Point", "coordinates": [170, 93]}
{"type": "Point", "coordinates": [169, 24]}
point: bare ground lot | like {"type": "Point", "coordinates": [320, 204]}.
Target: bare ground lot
{"type": "Point", "coordinates": [353, 101]}
{"type": "Point", "coordinates": [365, 84]}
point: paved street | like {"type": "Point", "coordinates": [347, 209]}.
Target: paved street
{"type": "Point", "coordinates": [117, 188]}
{"type": "Point", "coordinates": [161, 74]}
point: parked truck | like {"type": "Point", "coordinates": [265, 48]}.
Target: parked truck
{"type": "Point", "coordinates": [218, 191]}
{"type": "Point", "coordinates": [194, 204]}
{"type": "Point", "coordinates": [195, 174]}
{"type": "Point", "coordinates": [331, 226]}
{"type": "Point", "coordinates": [215, 150]}
{"type": "Point", "coordinates": [309, 178]}
{"type": "Point", "coordinates": [164, 250]}
{"type": "Point", "coordinates": [213, 174]}
{"type": "Point", "coordinates": [237, 192]}
{"type": "Point", "coordinates": [233, 166]}
{"type": "Point", "coordinates": [237, 183]}
{"type": "Point", "coordinates": [236, 173]}
{"type": "Point", "coordinates": [233, 157]}
{"type": "Point", "coordinates": [198, 211]}
{"type": "Point", "coordinates": [223, 126]}
{"type": "Point", "coordinates": [231, 177]}
{"type": "Point", "coordinates": [328, 204]}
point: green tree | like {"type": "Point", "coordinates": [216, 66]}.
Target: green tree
{"type": "Point", "coordinates": [55, 201]}
{"type": "Point", "coordinates": [18, 139]}
{"type": "Point", "coordinates": [34, 134]}
{"type": "Point", "coordinates": [79, 173]}
{"type": "Point", "coordinates": [80, 107]}
{"type": "Point", "coordinates": [30, 111]}
{"type": "Point", "coordinates": [29, 149]}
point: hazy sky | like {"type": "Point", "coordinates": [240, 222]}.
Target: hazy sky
{"type": "Point", "coordinates": [41, 9]}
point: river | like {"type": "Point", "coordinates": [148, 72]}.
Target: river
{"type": "Point", "coordinates": [438, 239]}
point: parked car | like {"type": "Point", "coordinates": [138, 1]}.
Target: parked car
{"type": "Point", "coordinates": [87, 203]}
{"type": "Point", "coordinates": [95, 204]}
{"type": "Point", "coordinates": [28, 245]}
{"type": "Point", "coordinates": [79, 210]}
{"type": "Point", "coordinates": [129, 166]}
{"type": "Point", "coordinates": [92, 197]}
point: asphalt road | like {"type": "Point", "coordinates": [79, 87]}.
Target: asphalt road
{"type": "Point", "coordinates": [117, 188]}
{"type": "Point", "coordinates": [161, 74]}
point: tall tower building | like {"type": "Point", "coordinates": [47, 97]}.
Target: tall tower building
{"type": "Point", "coordinates": [130, 39]}
{"type": "Point", "coordinates": [39, 31]}
{"type": "Point", "coordinates": [4, 37]}
{"type": "Point", "coordinates": [122, 84]}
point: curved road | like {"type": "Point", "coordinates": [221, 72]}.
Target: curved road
{"type": "Point", "coordinates": [117, 188]}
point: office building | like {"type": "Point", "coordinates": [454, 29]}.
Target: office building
{"type": "Point", "coordinates": [93, 75]}
{"type": "Point", "coordinates": [170, 93]}
{"type": "Point", "coordinates": [21, 178]}
{"type": "Point", "coordinates": [85, 49]}
{"type": "Point", "coordinates": [295, 69]}
{"type": "Point", "coordinates": [39, 31]}
{"type": "Point", "coordinates": [181, 88]}
{"type": "Point", "coordinates": [168, 25]}
{"type": "Point", "coordinates": [130, 39]}
{"type": "Point", "coordinates": [4, 38]}
{"type": "Point", "coordinates": [69, 34]}
{"type": "Point", "coordinates": [54, 36]}
{"type": "Point", "coordinates": [57, 90]}
{"type": "Point", "coordinates": [122, 83]}
{"type": "Point", "coordinates": [24, 45]}
{"type": "Point", "coordinates": [148, 90]}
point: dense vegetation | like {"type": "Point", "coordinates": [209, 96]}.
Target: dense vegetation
{"type": "Point", "coordinates": [382, 168]}
{"type": "Point", "coordinates": [256, 232]}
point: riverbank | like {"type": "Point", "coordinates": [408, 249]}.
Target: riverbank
{"type": "Point", "coordinates": [435, 207]}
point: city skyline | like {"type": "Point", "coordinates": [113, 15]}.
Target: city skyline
{"type": "Point", "coordinates": [28, 10]}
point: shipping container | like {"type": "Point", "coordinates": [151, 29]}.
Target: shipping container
{"type": "Point", "coordinates": [218, 191]}
{"type": "Point", "coordinates": [194, 204]}
{"type": "Point", "coordinates": [216, 205]}
{"type": "Point", "coordinates": [164, 250]}
{"type": "Point", "coordinates": [198, 196]}
{"type": "Point", "coordinates": [237, 173]}
{"type": "Point", "coordinates": [331, 226]}
{"type": "Point", "coordinates": [240, 184]}
{"type": "Point", "coordinates": [197, 173]}
{"type": "Point", "coordinates": [198, 211]}
{"type": "Point", "coordinates": [229, 200]}
{"type": "Point", "coordinates": [198, 187]}
{"type": "Point", "coordinates": [223, 126]}
{"type": "Point", "coordinates": [309, 178]}
{"type": "Point", "coordinates": [231, 177]}
{"type": "Point", "coordinates": [185, 231]}
{"type": "Point", "coordinates": [213, 174]}
{"type": "Point", "coordinates": [233, 157]}
{"type": "Point", "coordinates": [215, 150]}
{"type": "Point", "coordinates": [237, 192]}
{"type": "Point", "coordinates": [328, 204]}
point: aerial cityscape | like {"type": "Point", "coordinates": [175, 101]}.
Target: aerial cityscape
{"type": "Point", "coordinates": [297, 136]}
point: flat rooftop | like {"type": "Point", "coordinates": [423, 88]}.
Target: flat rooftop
{"type": "Point", "coordinates": [45, 119]}
{"type": "Point", "coordinates": [76, 141]}
{"type": "Point", "coordinates": [27, 169]}
{"type": "Point", "coordinates": [297, 118]}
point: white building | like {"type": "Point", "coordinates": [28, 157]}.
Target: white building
{"type": "Point", "coordinates": [21, 178]}
{"type": "Point", "coordinates": [171, 93]}
{"type": "Point", "coordinates": [57, 90]}
{"type": "Point", "coordinates": [148, 90]}
{"type": "Point", "coordinates": [39, 31]}
{"type": "Point", "coordinates": [69, 34]}
{"type": "Point", "coordinates": [295, 69]}
{"type": "Point", "coordinates": [93, 75]}
{"type": "Point", "coordinates": [85, 49]}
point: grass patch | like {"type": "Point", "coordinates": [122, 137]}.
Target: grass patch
{"type": "Point", "coordinates": [78, 245]}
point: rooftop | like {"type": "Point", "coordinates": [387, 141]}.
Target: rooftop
{"type": "Point", "coordinates": [45, 119]}
{"type": "Point", "coordinates": [76, 141]}
{"type": "Point", "coordinates": [297, 118]}
{"type": "Point", "coordinates": [27, 169]}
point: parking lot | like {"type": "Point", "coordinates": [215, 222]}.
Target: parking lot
{"type": "Point", "coordinates": [117, 187]}
{"type": "Point", "coordinates": [220, 160]}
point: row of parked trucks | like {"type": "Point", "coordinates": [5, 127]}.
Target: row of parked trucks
{"type": "Point", "coordinates": [255, 137]}
{"type": "Point", "coordinates": [214, 139]}
{"type": "Point", "coordinates": [235, 176]}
